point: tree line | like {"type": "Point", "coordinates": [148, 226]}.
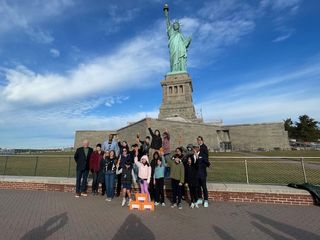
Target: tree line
{"type": "Point", "coordinates": [305, 129]}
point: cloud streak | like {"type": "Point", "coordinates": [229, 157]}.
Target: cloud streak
{"type": "Point", "coordinates": [127, 67]}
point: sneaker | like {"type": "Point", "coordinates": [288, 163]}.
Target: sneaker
{"type": "Point", "coordinates": [199, 202]}
{"type": "Point", "coordinates": [180, 206]}
{"type": "Point", "coordinates": [192, 205]}
{"type": "Point", "coordinates": [129, 202]}
{"type": "Point", "coordinates": [206, 204]}
{"type": "Point", "coordinates": [123, 202]}
{"type": "Point", "coordinates": [77, 195]}
{"type": "Point", "coordinates": [173, 205]}
{"type": "Point", "coordinates": [196, 205]}
{"type": "Point", "coordinates": [108, 199]}
{"type": "Point", "coordinates": [156, 204]}
{"type": "Point", "coordinates": [84, 194]}
{"type": "Point", "coordinates": [163, 204]}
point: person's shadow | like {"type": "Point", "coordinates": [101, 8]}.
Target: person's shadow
{"type": "Point", "coordinates": [52, 225]}
{"type": "Point", "coordinates": [133, 228]}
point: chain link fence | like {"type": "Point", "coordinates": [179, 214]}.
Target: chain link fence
{"type": "Point", "coordinates": [229, 169]}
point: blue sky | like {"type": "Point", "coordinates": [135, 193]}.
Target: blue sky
{"type": "Point", "coordinates": [69, 65]}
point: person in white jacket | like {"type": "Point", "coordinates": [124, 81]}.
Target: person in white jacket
{"type": "Point", "coordinates": [144, 173]}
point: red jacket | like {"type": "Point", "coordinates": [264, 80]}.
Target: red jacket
{"type": "Point", "coordinates": [95, 161]}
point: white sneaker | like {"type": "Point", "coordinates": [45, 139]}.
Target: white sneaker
{"type": "Point", "coordinates": [199, 202]}
{"type": "Point", "coordinates": [196, 205]}
{"type": "Point", "coordinates": [123, 202]}
{"type": "Point", "coordinates": [163, 204]}
{"type": "Point", "coordinates": [156, 204]}
{"type": "Point", "coordinates": [173, 205]}
{"type": "Point", "coordinates": [206, 204]}
{"type": "Point", "coordinates": [129, 202]}
{"type": "Point", "coordinates": [192, 205]}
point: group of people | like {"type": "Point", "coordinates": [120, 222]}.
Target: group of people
{"type": "Point", "coordinates": [148, 163]}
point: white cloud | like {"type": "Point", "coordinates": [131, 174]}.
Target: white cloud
{"type": "Point", "coordinates": [267, 99]}
{"type": "Point", "coordinates": [56, 128]}
{"type": "Point", "coordinates": [27, 15]}
{"type": "Point", "coordinates": [110, 101]}
{"type": "Point", "coordinates": [54, 52]}
{"type": "Point", "coordinates": [127, 67]}
{"type": "Point", "coordinates": [282, 37]}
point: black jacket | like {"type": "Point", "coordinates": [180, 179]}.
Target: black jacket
{"type": "Point", "coordinates": [156, 142]}
{"type": "Point", "coordinates": [191, 174]}
{"type": "Point", "coordinates": [108, 164]}
{"type": "Point", "coordinates": [203, 161]}
{"type": "Point", "coordinates": [126, 175]}
{"type": "Point", "coordinates": [81, 160]}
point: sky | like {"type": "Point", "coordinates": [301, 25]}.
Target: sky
{"type": "Point", "coordinates": [68, 65]}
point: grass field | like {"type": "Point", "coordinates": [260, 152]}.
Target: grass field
{"type": "Point", "coordinates": [223, 169]}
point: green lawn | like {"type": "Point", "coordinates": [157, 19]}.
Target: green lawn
{"type": "Point", "coordinates": [225, 170]}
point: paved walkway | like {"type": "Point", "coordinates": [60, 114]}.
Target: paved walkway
{"type": "Point", "coordinates": [57, 215]}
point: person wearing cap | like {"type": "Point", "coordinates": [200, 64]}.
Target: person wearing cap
{"type": "Point", "coordinates": [144, 173]}
{"type": "Point", "coordinates": [177, 179]}
{"type": "Point", "coordinates": [94, 166]}
{"type": "Point", "coordinates": [127, 176]}
{"type": "Point", "coordinates": [202, 154]}
{"type": "Point", "coordinates": [82, 157]}
{"type": "Point", "coordinates": [144, 145]}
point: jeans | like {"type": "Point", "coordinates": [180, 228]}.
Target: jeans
{"type": "Point", "coordinates": [95, 182]}
{"type": "Point", "coordinates": [82, 180]}
{"type": "Point", "coordinates": [109, 181]}
{"type": "Point", "coordinates": [159, 193]}
{"type": "Point", "coordinates": [176, 191]}
{"type": "Point", "coordinates": [202, 183]}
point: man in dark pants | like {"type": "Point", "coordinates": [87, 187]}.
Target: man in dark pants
{"type": "Point", "coordinates": [203, 163]}
{"type": "Point", "coordinates": [82, 157]}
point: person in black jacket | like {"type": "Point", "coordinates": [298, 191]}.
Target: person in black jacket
{"type": "Point", "coordinates": [191, 179]}
{"type": "Point", "coordinates": [202, 154]}
{"type": "Point", "coordinates": [108, 166]}
{"type": "Point", "coordinates": [127, 176]}
{"type": "Point", "coordinates": [82, 158]}
{"type": "Point", "coordinates": [156, 141]}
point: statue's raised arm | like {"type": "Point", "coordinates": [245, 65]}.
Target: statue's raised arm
{"type": "Point", "coordinates": [177, 44]}
{"type": "Point", "coordinates": [166, 14]}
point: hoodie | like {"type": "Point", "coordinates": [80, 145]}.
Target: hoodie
{"type": "Point", "coordinates": [144, 170]}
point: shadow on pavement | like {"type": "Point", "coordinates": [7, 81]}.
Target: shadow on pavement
{"type": "Point", "coordinates": [52, 225]}
{"type": "Point", "coordinates": [133, 228]}
{"type": "Point", "coordinates": [294, 232]}
{"type": "Point", "coordinates": [272, 234]}
{"type": "Point", "coordinates": [223, 234]}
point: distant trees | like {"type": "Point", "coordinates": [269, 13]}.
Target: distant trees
{"type": "Point", "coordinates": [306, 129]}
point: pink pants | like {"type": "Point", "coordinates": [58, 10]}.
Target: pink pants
{"type": "Point", "coordinates": [144, 188]}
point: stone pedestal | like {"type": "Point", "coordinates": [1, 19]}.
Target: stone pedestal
{"type": "Point", "coordinates": [177, 98]}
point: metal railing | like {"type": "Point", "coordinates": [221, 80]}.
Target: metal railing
{"type": "Point", "coordinates": [264, 169]}
{"type": "Point", "coordinates": [224, 169]}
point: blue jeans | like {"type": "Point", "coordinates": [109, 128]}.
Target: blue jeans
{"type": "Point", "coordinates": [82, 180]}
{"type": "Point", "coordinates": [109, 180]}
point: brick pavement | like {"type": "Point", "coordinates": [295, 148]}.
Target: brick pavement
{"type": "Point", "coordinates": [57, 215]}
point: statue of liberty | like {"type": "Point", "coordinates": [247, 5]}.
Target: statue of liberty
{"type": "Point", "coordinates": [178, 44]}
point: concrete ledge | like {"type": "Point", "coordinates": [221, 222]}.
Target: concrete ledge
{"type": "Point", "coordinates": [217, 191]}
